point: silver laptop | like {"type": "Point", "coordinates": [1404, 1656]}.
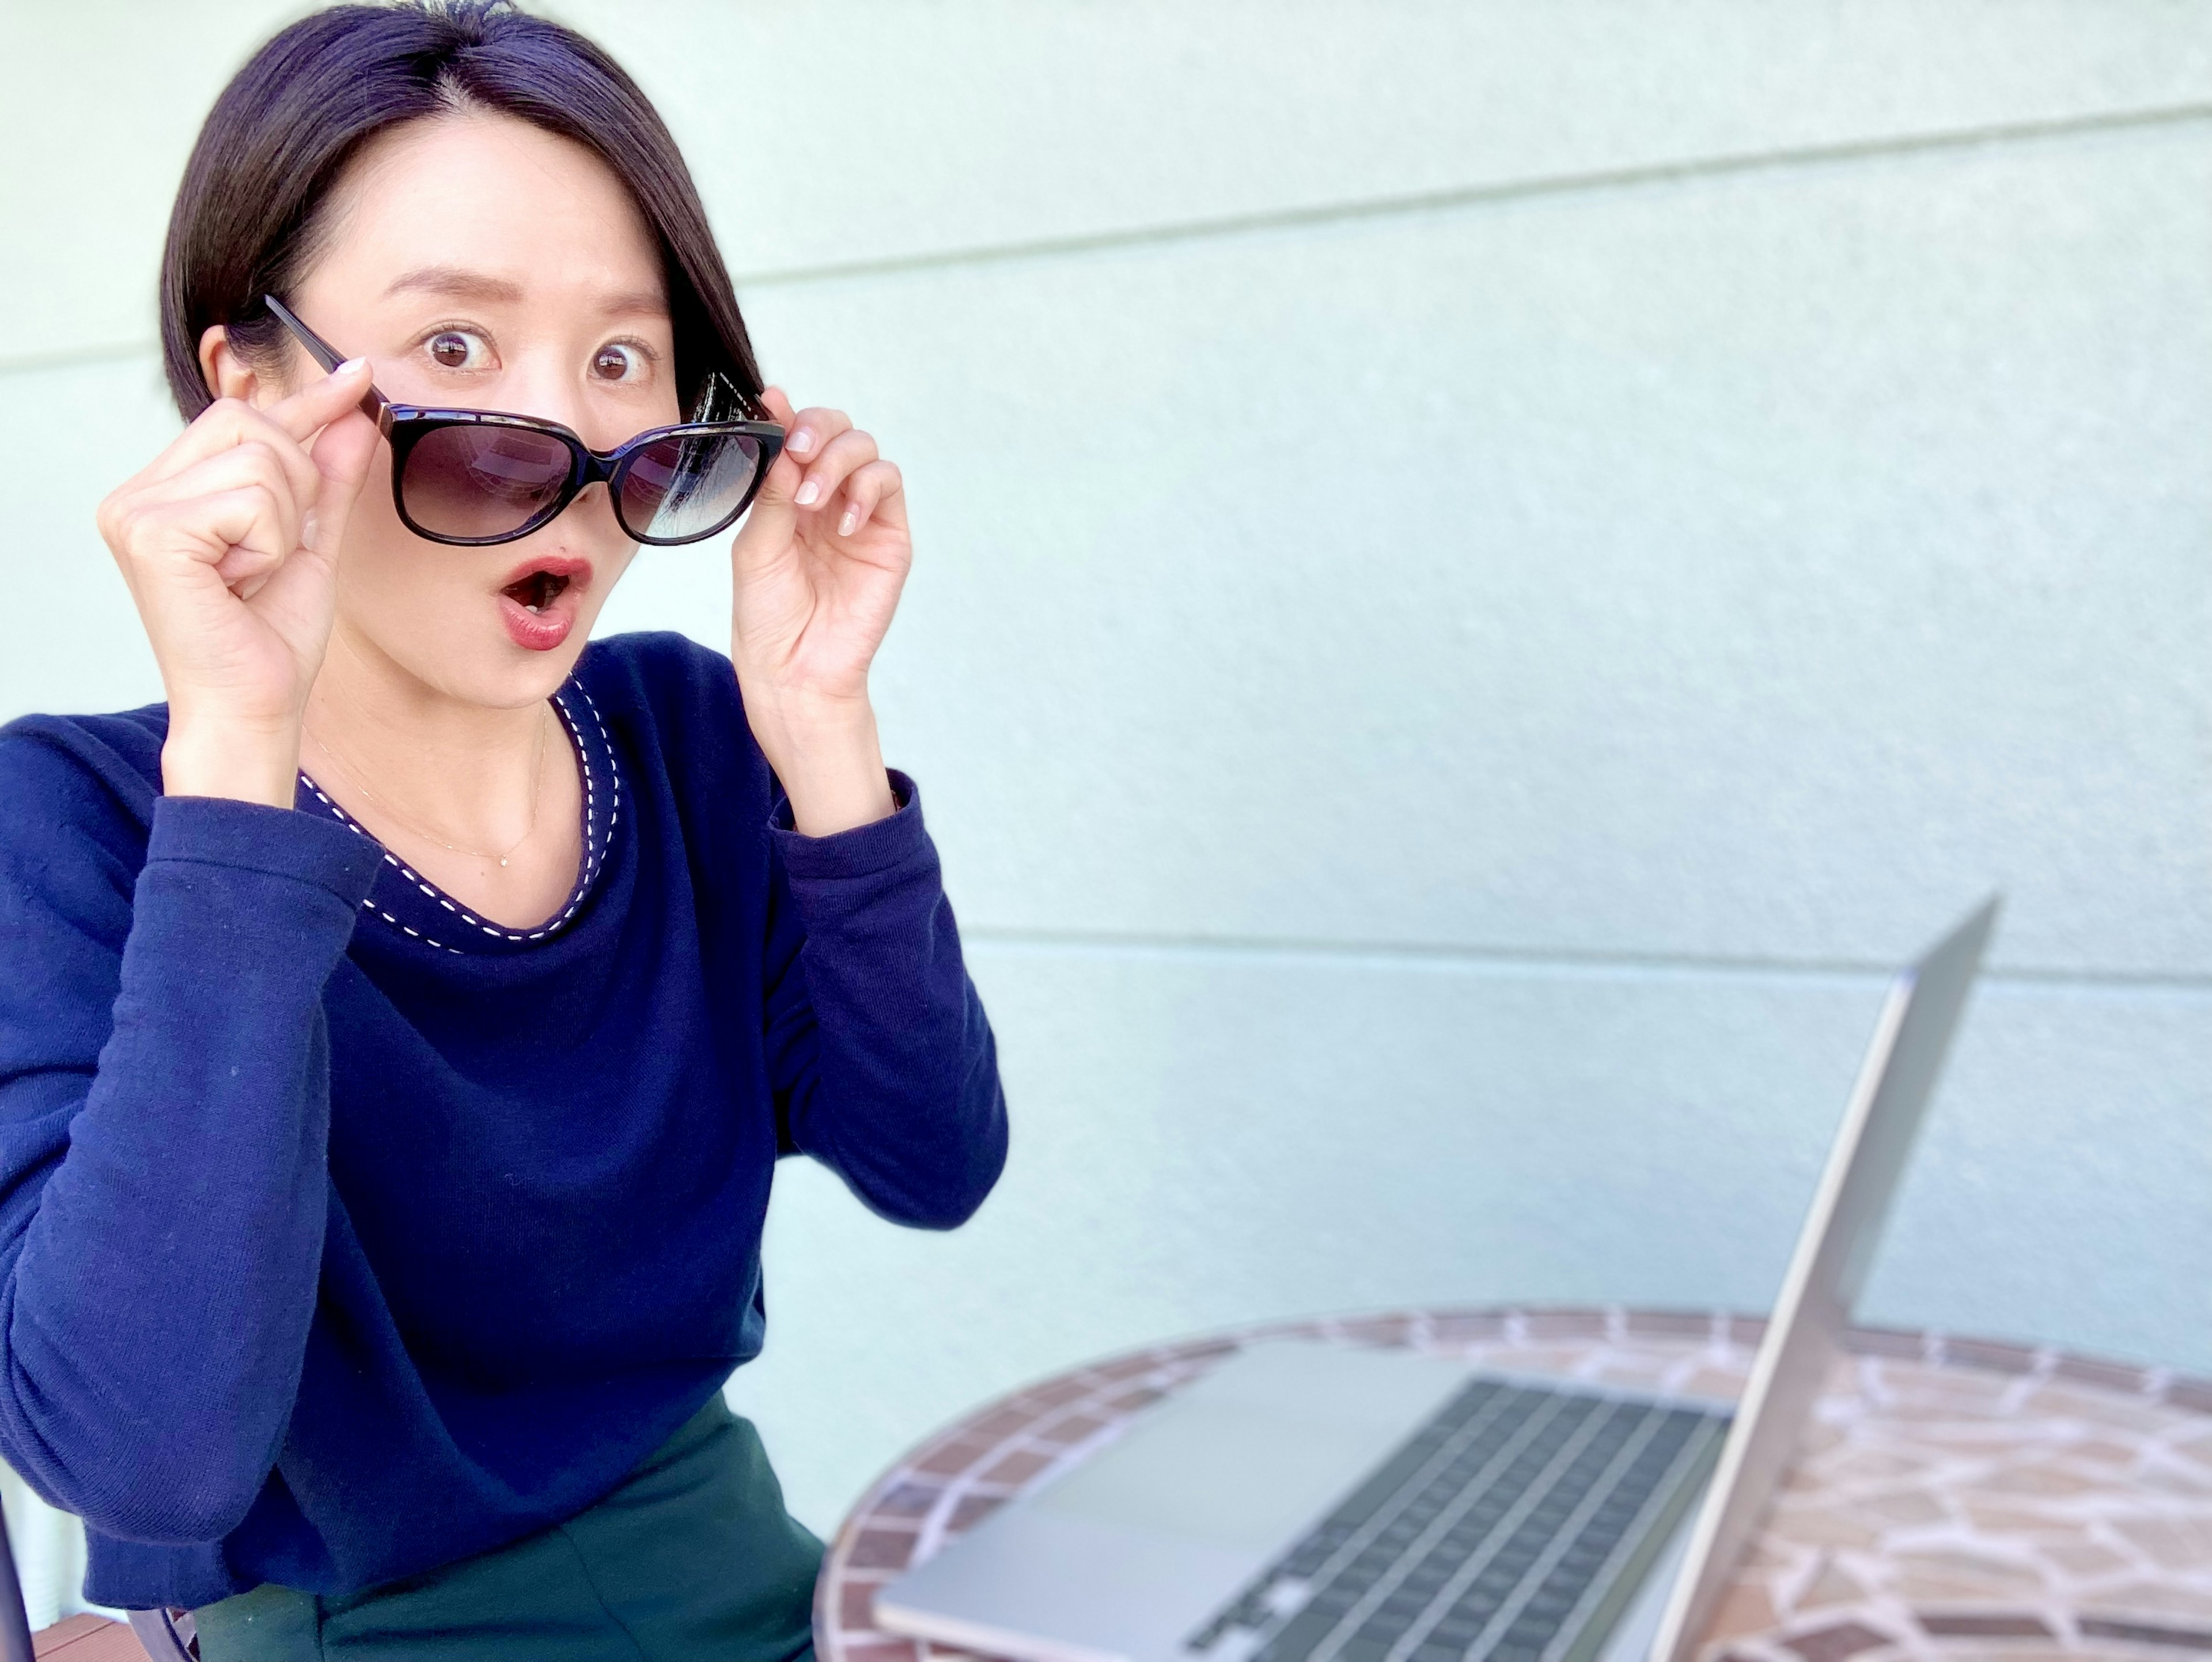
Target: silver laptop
{"type": "Point", "coordinates": [1305, 1502]}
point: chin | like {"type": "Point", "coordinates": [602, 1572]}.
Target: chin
{"type": "Point", "coordinates": [529, 671]}
{"type": "Point", "coordinates": [482, 665]}
{"type": "Point", "coordinates": [535, 677]}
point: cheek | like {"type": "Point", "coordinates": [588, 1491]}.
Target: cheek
{"type": "Point", "coordinates": [433, 611]}
{"type": "Point", "coordinates": [381, 554]}
{"type": "Point", "coordinates": [606, 573]}
{"type": "Point", "coordinates": [411, 597]}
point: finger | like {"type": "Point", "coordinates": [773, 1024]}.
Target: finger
{"type": "Point", "coordinates": [244, 570]}
{"type": "Point", "coordinates": [273, 534]}
{"type": "Point", "coordinates": [243, 525]}
{"type": "Point", "coordinates": [774, 497]}
{"type": "Point", "coordinates": [319, 403]}
{"type": "Point", "coordinates": [297, 597]}
{"type": "Point", "coordinates": [809, 433]}
{"type": "Point", "coordinates": [252, 463]}
{"type": "Point", "coordinates": [195, 510]}
{"type": "Point", "coordinates": [840, 457]}
{"type": "Point", "coordinates": [342, 454]}
{"type": "Point", "coordinates": [226, 425]}
{"type": "Point", "coordinates": [873, 489]}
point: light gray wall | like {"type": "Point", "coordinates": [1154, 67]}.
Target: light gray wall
{"type": "Point", "coordinates": [1482, 570]}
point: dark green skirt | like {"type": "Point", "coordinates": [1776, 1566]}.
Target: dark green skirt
{"type": "Point", "coordinates": [693, 1559]}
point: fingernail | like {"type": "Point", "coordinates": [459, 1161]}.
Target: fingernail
{"type": "Point", "coordinates": [349, 366]}
{"type": "Point", "coordinates": [845, 526]}
{"type": "Point", "coordinates": [809, 494]}
{"type": "Point", "coordinates": [801, 442]}
{"type": "Point", "coordinates": [307, 529]}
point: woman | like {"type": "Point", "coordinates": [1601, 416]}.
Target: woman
{"type": "Point", "coordinates": [398, 1027]}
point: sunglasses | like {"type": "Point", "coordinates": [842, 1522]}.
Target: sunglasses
{"type": "Point", "coordinates": [473, 477]}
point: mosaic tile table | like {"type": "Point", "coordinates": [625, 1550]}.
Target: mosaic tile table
{"type": "Point", "coordinates": [1958, 1500]}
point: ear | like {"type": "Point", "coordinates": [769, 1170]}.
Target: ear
{"type": "Point", "coordinates": [230, 376]}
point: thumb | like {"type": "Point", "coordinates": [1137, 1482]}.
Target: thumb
{"type": "Point", "coordinates": [342, 454]}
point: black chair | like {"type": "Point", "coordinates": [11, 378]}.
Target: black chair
{"type": "Point", "coordinates": [167, 1635]}
{"type": "Point", "coordinates": [15, 1624]}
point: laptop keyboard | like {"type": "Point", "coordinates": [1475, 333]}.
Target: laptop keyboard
{"type": "Point", "coordinates": [1508, 1527]}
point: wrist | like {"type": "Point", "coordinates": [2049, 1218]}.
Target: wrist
{"type": "Point", "coordinates": [246, 763]}
{"type": "Point", "coordinates": [828, 759]}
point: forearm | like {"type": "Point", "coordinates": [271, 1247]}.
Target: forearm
{"type": "Point", "coordinates": [906, 1102]}
{"type": "Point", "coordinates": [158, 1301]}
{"type": "Point", "coordinates": [892, 1068]}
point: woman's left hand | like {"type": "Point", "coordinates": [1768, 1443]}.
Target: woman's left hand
{"type": "Point", "coordinates": [816, 571]}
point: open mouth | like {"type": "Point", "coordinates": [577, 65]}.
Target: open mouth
{"type": "Point", "coordinates": [537, 591]}
{"type": "Point", "coordinates": [540, 601]}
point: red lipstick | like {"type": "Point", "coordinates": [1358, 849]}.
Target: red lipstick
{"type": "Point", "coordinates": [540, 600]}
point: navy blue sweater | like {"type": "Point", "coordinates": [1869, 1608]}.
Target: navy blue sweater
{"type": "Point", "coordinates": [343, 1234]}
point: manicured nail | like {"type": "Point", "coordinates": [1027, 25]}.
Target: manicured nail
{"type": "Point", "coordinates": [845, 526]}
{"type": "Point", "coordinates": [307, 529]}
{"type": "Point", "coordinates": [350, 365]}
{"type": "Point", "coordinates": [809, 494]}
{"type": "Point", "coordinates": [801, 442]}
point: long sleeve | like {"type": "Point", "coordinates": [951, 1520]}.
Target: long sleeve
{"type": "Point", "coordinates": [345, 1234]}
{"type": "Point", "coordinates": [164, 1118]}
{"type": "Point", "coordinates": [883, 1063]}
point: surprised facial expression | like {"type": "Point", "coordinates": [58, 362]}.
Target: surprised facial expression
{"type": "Point", "coordinates": [481, 263]}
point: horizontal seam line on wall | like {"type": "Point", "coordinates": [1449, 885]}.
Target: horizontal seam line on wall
{"type": "Point", "coordinates": [71, 358]}
{"type": "Point", "coordinates": [1560, 959]}
{"type": "Point", "coordinates": [1425, 202]}
{"type": "Point", "coordinates": [1384, 207]}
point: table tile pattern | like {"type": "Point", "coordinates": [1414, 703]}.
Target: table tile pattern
{"type": "Point", "coordinates": [1957, 1500]}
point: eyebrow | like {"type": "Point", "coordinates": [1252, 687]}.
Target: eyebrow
{"type": "Point", "coordinates": [458, 283]}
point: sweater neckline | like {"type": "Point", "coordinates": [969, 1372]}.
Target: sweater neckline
{"type": "Point", "coordinates": [411, 905]}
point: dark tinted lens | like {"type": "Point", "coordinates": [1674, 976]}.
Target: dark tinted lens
{"type": "Point", "coordinates": [687, 486]}
{"type": "Point", "coordinates": [483, 481]}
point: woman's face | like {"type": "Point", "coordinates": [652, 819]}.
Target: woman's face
{"type": "Point", "coordinates": [481, 263]}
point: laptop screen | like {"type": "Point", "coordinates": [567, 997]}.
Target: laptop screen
{"type": "Point", "coordinates": [1827, 1270]}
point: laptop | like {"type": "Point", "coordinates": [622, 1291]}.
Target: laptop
{"type": "Point", "coordinates": [1305, 1502]}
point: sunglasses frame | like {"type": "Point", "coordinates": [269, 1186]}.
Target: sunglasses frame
{"type": "Point", "coordinates": [406, 425]}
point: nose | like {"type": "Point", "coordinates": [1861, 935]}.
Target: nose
{"type": "Point", "coordinates": [587, 527]}
{"type": "Point", "coordinates": [542, 396]}
{"type": "Point", "coordinates": [594, 499]}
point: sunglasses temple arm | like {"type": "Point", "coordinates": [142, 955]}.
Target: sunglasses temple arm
{"type": "Point", "coordinates": [373, 404]}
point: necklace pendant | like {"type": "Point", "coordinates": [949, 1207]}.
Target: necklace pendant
{"type": "Point", "coordinates": [502, 862]}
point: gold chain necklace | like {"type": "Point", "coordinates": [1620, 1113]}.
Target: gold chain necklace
{"type": "Point", "coordinates": [537, 785]}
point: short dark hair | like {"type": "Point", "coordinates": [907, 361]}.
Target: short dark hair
{"type": "Point", "coordinates": [248, 216]}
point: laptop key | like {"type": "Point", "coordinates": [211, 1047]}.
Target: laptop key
{"type": "Point", "coordinates": [1478, 1540]}
{"type": "Point", "coordinates": [1295, 1641]}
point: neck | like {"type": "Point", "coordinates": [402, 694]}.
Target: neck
{"type": "Point", "coordinates": [464, 773]}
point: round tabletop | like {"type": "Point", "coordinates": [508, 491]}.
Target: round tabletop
{"type": "Point", "coordinates": [1956, 1499]}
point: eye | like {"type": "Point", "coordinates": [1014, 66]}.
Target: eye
{"type": "Point", "coordinates": [618, 361]}
{"type": "Point", "coordinates": [457, 349]}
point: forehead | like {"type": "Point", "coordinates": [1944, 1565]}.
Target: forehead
{"type": "Point", "coordinates": [490, 194]}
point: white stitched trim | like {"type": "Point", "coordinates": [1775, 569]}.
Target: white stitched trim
{"type": "Point", "coordinates": [596, 844]}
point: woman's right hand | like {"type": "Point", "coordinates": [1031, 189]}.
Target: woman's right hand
{"type": "Point", "coordinates": [228, 541]}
